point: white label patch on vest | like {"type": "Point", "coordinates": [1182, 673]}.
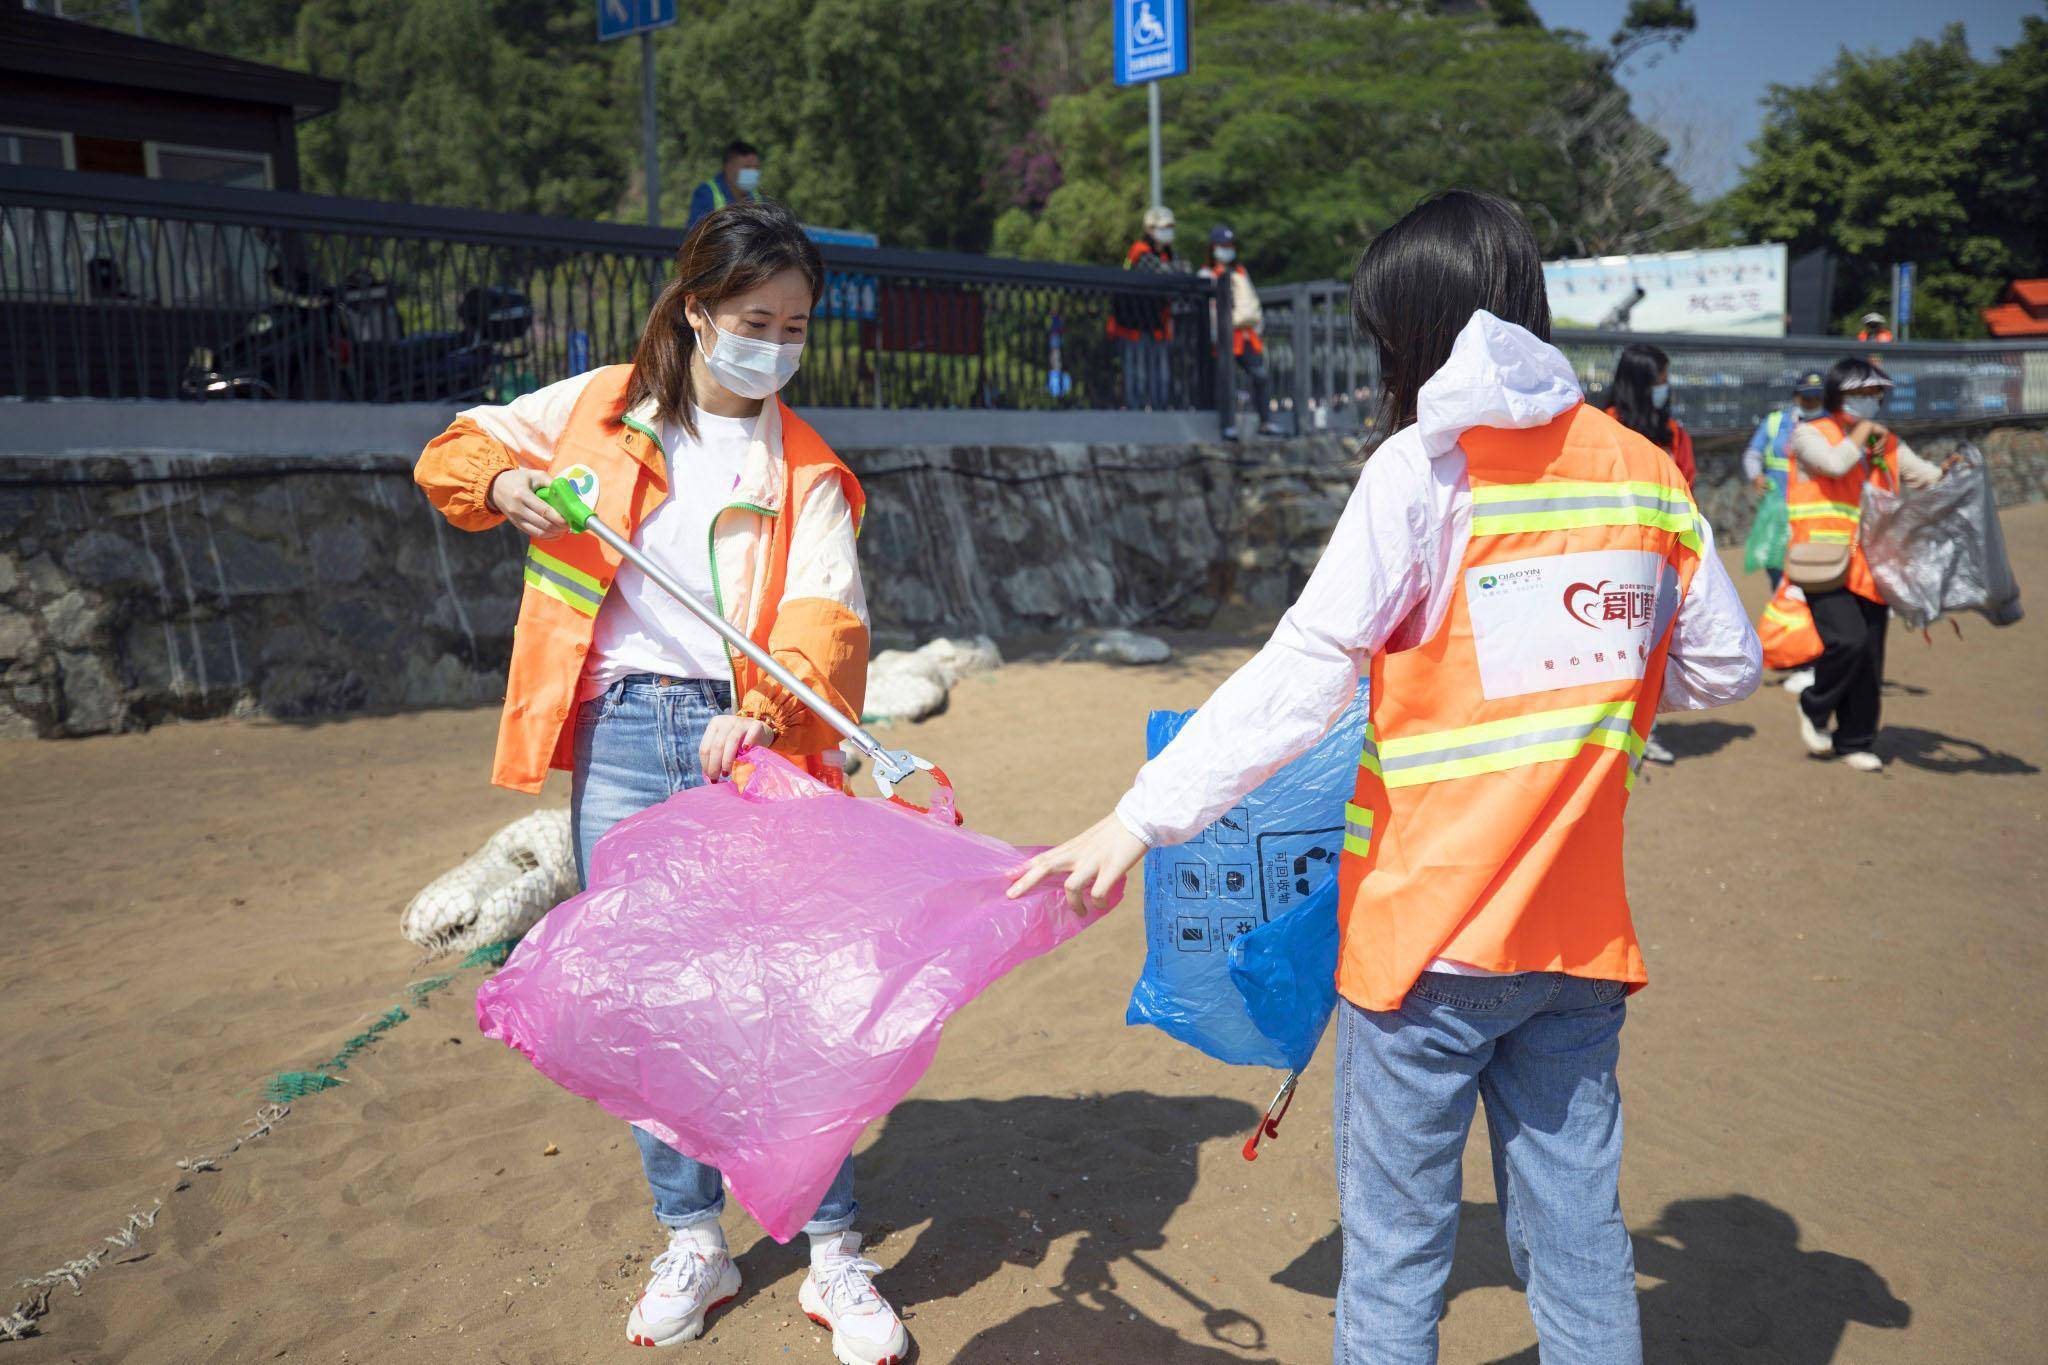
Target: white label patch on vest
{"type": "Point", "coordinates": [1564, 620]}
{"type": "Point", "coordinates": [583, 479]}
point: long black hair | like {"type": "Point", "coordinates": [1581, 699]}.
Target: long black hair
{"type": "Point", "coordinates": [740, 247]}
{"type": "Point", "coordinates": [1635, 372]}
{"type": "Point", "coordinates": [1421, 280]}
{"type": "Point", "coordinates": [1853, 372]}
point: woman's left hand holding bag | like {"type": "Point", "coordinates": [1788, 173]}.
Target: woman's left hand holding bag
{"type": "Point", "coordinates": [724, 737]}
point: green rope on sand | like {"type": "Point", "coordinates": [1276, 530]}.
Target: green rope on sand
{"type": "Point", "coordinates": [291, 1085]}
{"type": "Point", "coordinates": [287, 1086]}
{"type": "Point", "coordinates": [491, 954]}
{"type": "Point", "coordinates": [417, 993]}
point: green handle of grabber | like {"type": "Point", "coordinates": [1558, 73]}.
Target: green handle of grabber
{"type": "Point", "coordinates": [561, 495]}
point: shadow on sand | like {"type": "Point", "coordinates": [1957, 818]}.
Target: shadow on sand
{"type": "Point", "coordinates": [996, 1183]}
{"type": "Point", "coordinates": [1734, 1283]}
{"type": "Point", "coordinates": [1938, 753]}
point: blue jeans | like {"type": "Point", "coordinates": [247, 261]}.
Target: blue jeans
{"type": "Point", "coordinates": [636, 746]}
{"type": "Point", "coordinates": [1539, 1049]}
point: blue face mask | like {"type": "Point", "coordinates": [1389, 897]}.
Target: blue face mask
{"type": "Point", "coordinates": [1660, 395]}
{"type": "Point", "coordinates": [749, 178]}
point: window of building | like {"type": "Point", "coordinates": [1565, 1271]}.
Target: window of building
{"type": "Point", "coordinates": [210, 166]}
{"type": "Point", "coordinates": [33, 147]}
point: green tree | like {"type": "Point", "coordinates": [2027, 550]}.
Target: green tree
{"type": "Point", "coordinates": [1311, 126]}
{"type": "Point", "coordinates": [1927, 156]}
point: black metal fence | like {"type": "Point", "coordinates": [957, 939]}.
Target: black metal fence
{"type": "Point", "coordinates": [113, 287]}
{"type": "Point", "coordinates": [1325, 377]}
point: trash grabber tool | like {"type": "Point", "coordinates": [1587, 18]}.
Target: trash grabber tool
{"type": "Point", "coordinates": [891, 766]}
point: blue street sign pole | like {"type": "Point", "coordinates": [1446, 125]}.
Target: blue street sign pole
{"type": "Point", "coordinates": [1902, 299]}
{"type": "Point", "coordinates": [1151, 44]}
{"type": "Point", "coordinates": [623, 18]}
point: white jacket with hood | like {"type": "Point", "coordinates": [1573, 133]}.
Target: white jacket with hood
{"type": "Point", "coordinates": [1386, 579]}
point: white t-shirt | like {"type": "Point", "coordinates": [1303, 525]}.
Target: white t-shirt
{"type": "Point", "coordinates": [640, 628]}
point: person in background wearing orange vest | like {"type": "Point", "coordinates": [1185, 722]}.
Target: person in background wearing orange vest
{"type": "Point", "coordinates": [1640, 399]}
{"type": "Point", "coordinates": [1143, 326]}
{"type": "Point", "coordinates": [688, 452]}
{"type": "Point", "coordinates": [1874, 328]}
{"type": "Point", "coordinates": [1247, 322]}
{"type": "Point", "coordinates": [1833, 457]}
{"type": "Point", "coordinates": [1527, 581]}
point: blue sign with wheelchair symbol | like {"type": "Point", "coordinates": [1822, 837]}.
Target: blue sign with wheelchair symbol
{"type": "Point", "coordinates": [1151, 40]}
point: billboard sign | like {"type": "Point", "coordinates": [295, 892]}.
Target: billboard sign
{"type": "Point", "coordinates": [1731, 291]}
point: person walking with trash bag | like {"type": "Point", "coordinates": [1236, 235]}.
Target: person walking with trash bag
{"type": "Point", "coordinates": [1767, 466]}
{"type": "Point", "coordinates": [688, 456]}
{"type": "Point", "coordinates": [1527, 581]}
{"type": "Point", "coordinates": [1835, 456]}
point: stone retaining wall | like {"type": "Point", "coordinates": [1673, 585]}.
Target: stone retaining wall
{"type": "Point", "coordinates": [141, 587]}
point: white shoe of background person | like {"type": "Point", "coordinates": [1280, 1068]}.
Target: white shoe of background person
{"type": "Point", "coordinates": [1818, 742]}
{"type": "Point", "coordinates": [694, 1276]}
{"type": "Point", "coordinates": [1863, 761]}
{"type": "Point", "coordinates": [1795, 683]}
{"type": "Point", "coordinates": [1655, 752]}
{"type": "Point", "coordinates": [839, 1296]}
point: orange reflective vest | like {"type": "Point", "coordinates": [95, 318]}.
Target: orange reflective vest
{"type": "Point", "coordinates": [1786, 629]}
{"type": "Point", "coordinates": [1831, 508]}
{"type": "Point", "coordinates": [1487, 822]}
{"type": "Point", "coordinates": [566, 579]}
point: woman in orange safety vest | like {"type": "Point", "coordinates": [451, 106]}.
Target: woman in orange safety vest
{"type": "Point", "coordinates": [1526, 580]}
{"type": "Point", "coordinates": [1833, 457]}
{"type": "Point", "coordinates": [690, 454]}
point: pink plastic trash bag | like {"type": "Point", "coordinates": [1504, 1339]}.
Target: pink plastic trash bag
{"type": "Point", "coordinates": [755, 976]}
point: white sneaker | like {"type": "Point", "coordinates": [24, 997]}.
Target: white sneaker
{"type": "Point", "coordinates": [839, 1296]}
{"type": "Point", "coordinates": [1795, 683]}
{"type": "Point", "coordinates": [1864, 761]}
{"type": "Point", "coordinates": [694, 1276]}
{"type": "Point", "coordinates": [1655, 752]}
{"type": "Point", "coordinates": [1818, 741]}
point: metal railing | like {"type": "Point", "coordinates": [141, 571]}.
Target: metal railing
{"type": "Point", "coordinates": [1325, 377]}
{"type": "Point", "coordinates": [114, 287]}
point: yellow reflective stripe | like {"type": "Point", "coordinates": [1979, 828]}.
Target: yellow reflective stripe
{"type": "Point", "coordinates": [1500, 729]}
{"type": "Point", "coordinates": [1354, 844]}
{"type": "Point", "coordinates": [573, 597]}
{"type": "Point", "coordinates": [1802, 511]}
{"type": "Point", "coordinates": [1680, 524]}
{"type": "Point", "coordinates": [535, 555]}
{"type": "Point", "coordinates": [1776, 613]}
{"type": "Point", "coordinates": [1369, 757]}
{"type": "Point", "coordinates": [1838, 537]}
{"type": "Point", "coordinates": [564, 582]}
{"type": "Point", "coordinates": [1576, 488]}
{"type": "Point", "coordinates": [1497, 746]}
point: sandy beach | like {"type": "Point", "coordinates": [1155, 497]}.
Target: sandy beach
{"type": "Point", "coordinates": [1834, 1088]}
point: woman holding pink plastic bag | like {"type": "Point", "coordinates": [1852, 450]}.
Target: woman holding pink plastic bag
{"type": "Point", "coordinates": [687, 452]}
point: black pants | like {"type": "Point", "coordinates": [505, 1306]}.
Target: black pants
{"type": "Point", "coordinates": [1254, 366]}
{"type": "Point", "coordinates": [1848, 678]}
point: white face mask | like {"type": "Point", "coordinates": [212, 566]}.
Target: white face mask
{"type": "Point", "coordinates": [1163, 236]}
{"type": "Point", "coordinates": [749, 178]}
{"type": "Point", "coordinates": [1226, 254]}
{"type": "Point", "coordinates": [1808, 413]}
{"type": "Point", "coordinates": [1863, 407]}
{"type": "Point", "coordinates": [750, 368]}
{"type": "Point", "coordinates": [1660, 395]}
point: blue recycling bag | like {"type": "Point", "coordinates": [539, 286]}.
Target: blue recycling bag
{"type": "Point", "coordinates": [1241, 921]}
{"type": "Point", "coordinates": [1285, 971]}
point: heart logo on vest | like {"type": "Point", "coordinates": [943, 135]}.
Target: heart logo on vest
{"type": "Point", "coordinates": [1595, 605]}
